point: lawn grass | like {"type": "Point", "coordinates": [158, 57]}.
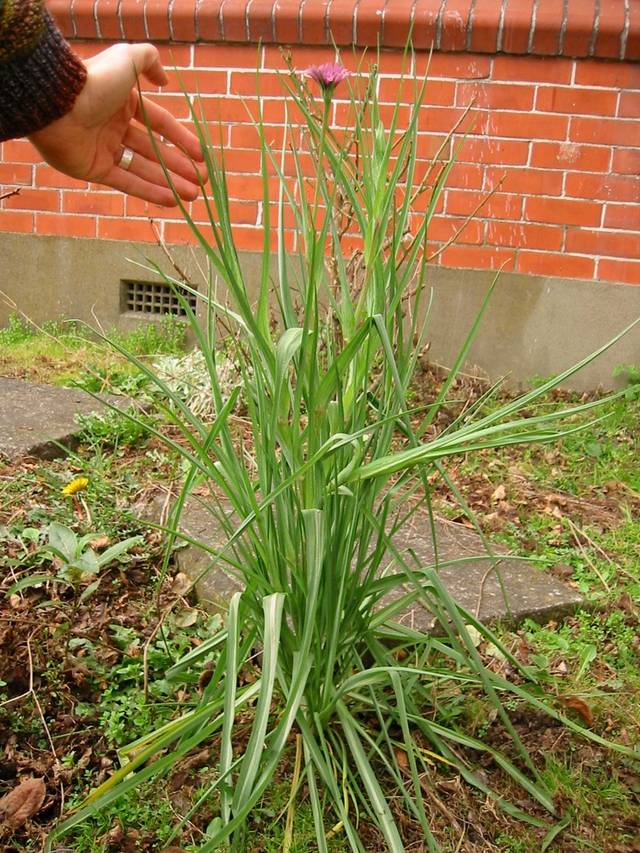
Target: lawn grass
{"type": "Point", "coordinates": [573, 505]}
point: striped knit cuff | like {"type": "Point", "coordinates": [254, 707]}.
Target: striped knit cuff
{"type": "Point", "coordinates": [40, 87]}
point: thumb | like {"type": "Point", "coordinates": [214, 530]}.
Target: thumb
{"type": "Point", "coordinates": [146, 61]}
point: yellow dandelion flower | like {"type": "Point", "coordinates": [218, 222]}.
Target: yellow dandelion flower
{"type": "Point", "coordinates": [76, 485]}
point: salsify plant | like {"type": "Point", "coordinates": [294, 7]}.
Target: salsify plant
{"type": "Point", "coordinates": [311, 503]}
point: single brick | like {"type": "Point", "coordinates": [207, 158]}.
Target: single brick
{"type": "Point", "coordinates": [535, 126]}
{"type": "Point", "coordinates": [109, 22]}
{"type": "Point", "coordinates": [54, 224]}
{"type": "Point", "coordinates": [624, 216]}
{"type": "Point", "coordinates": [521, 235]}
{"type": "Point", "coordinates": [84, 19]}
{"type": "Point", "coordinates": [287, 21]}
{"type": "Point", "coordinates": [626, 161]}
{"type": "Point", "coordinates": [527, 181]}
{"type": "Point", "coordinates": [261, 21]}
{"type": "Point", "coordinates": [632, 46]}
{"type": "Point", "coordinates": [126, 229]}
{"type": "Point", "coordinates": [629, 106]}
{"type": "Point", "coordinates": [208, 20]}
{"type": "Point", "coordinates": [156, 14]}
{"type": "Point", "coordinates": [455, 66]}
{"type": "Point", "coordinates": [466, 176]}
{"type": "Point", "coordinates": [612, 75]}
{"type": "Point", "coordinates": [611, 243]}
{"type": "Point", "coordinates": [444, 228]}
{"type": "Point", "coordinates": [33, 200]}
{"type": "Point", "coordinates": [500, 151]}
{"type": "Point", "coordinates": [548, 28]}
{"type": "Point", "coordinates": [562, 211]}
{"type": "Point", "coordinates": [485, 25]}
{"type": "Point", "coordinates": [454, 24]}
{"type": "Point", "coordinates": [435, 119]}
{"type": "Point", "coordinates": [249, 83]}
{"type": "Point", "coordinates": [624, 272]}
{"type": "Point", "coordinates": [105, 203]}
{"type": "Point", "coordinates": [234, 20]}
{"type": "Point", "coordinates": [605, 131]}
{"type": "Point", "coordinates": [16, 221]}
{"type": "Point", "coordinates": [610, 29]}
{"type": "Point", "coordinates": [554, 264]}
{"type": "Point", "coordinates": [313, 22]}
{"type": "Point", "coordinates": [496, 206]}
{"type": "Point", "coordinates": [140, 208]}
{"type": "Point", "coordinates": [605, 187]}
{"type": "Point", "coordinates": [559, 99]}
{"type": "Point", "coordinates": [425, 23]}
{"type": "Point", "coordinates": [341, 21]}
{"type": "Point", "coordinates": [496, 96]}
{"type": "Point", "coordinates": [131, 14]}
{"type": "Point", "coordinates": [15, 173]}
{"type": "Point", "coordinates": [367, 23]}
{"type": "Point", "coordinates": [183, 20]}
{"type": "Point", "coordinates": [579, 28]}
{"type": "Point", "coordinates": [430, 145]}
{"type": "Point", "coordinates": [395, 21]}
{"type": "Point", "coordinates": [224, 56]}
{"type": "Point", "coordinates": [179, 232]}
{"type": "Point", "coordinates": [478, 257]}
{"type": "Point", "coordinates": [517, 23]}
{"type": "Point", "coordinates": [242, 213]}
{"type": "Point", "coordinates": [570, 156]}
{"type": "Point", "coordinates": [532, 69]}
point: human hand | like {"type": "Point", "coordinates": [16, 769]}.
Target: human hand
{"type": "Point", "coordinates": [110, 114]}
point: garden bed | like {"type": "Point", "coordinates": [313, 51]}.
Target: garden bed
{"type": "Point", "coordinates": [82, 678]}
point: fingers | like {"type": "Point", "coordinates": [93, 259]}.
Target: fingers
{"type": "Point", "coordinates": [132, 184]}
{"type": "Point", "coordinates": [164, 124]}
{"type": "Point", "coordinates": [152, 173]}
{"type": "Point", "coordinates": [174, 160]}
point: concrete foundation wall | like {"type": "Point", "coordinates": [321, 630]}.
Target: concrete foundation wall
{"type": "Point", "coordinates": [535, 326]}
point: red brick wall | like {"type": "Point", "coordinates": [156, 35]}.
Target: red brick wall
{"type": "Point", "coordinates": [554, 124]}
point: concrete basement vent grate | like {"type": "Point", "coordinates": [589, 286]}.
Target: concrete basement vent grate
{"type": "Point", "coordinates": [150, 297]}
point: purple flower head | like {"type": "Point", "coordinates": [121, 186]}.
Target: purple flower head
{"type": "Point", "coordinates": [328, 75]}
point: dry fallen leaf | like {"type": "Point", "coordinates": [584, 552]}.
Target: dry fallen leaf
{"type": "Point", "coordinates": [99, 543]}
{"type": "Point", "coordinates": [181, 584]}
{"type": "Point", "coordinates": [23, 802]}
{"type": "Point", "coordinates": [401, 758]}
{"type": "Point", "coordinates": [499, 494]}
{"type": "Point", "coordinates": [186, 618]}
{"type": "Point", "coordinates": [580, 707]}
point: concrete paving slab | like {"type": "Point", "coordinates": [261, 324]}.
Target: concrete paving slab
{"type": "Point", "coordinates": [36, 419]}
{"type": "Point", "coordinates": [474, 584]}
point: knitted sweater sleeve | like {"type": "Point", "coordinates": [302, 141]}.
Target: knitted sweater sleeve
{"type": "Point", "coordinates": [40, 76]}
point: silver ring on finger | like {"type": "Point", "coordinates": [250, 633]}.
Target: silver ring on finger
{"type": "Point", "coordinates": [126, 157]}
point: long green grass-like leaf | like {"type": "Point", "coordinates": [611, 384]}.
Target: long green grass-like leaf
{"type": "Point", "coordinates": [251, 761]}
{"type": "Point", "coordinates": [379, 804]}
{"type": "Point", "coordinates": [228, 712]}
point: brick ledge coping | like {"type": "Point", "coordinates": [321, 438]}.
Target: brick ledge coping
{"type": "Point", "coordinates": [573, 28]}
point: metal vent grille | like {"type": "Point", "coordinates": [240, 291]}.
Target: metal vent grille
{"type": "Point", "coordinates": [147, 297]}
